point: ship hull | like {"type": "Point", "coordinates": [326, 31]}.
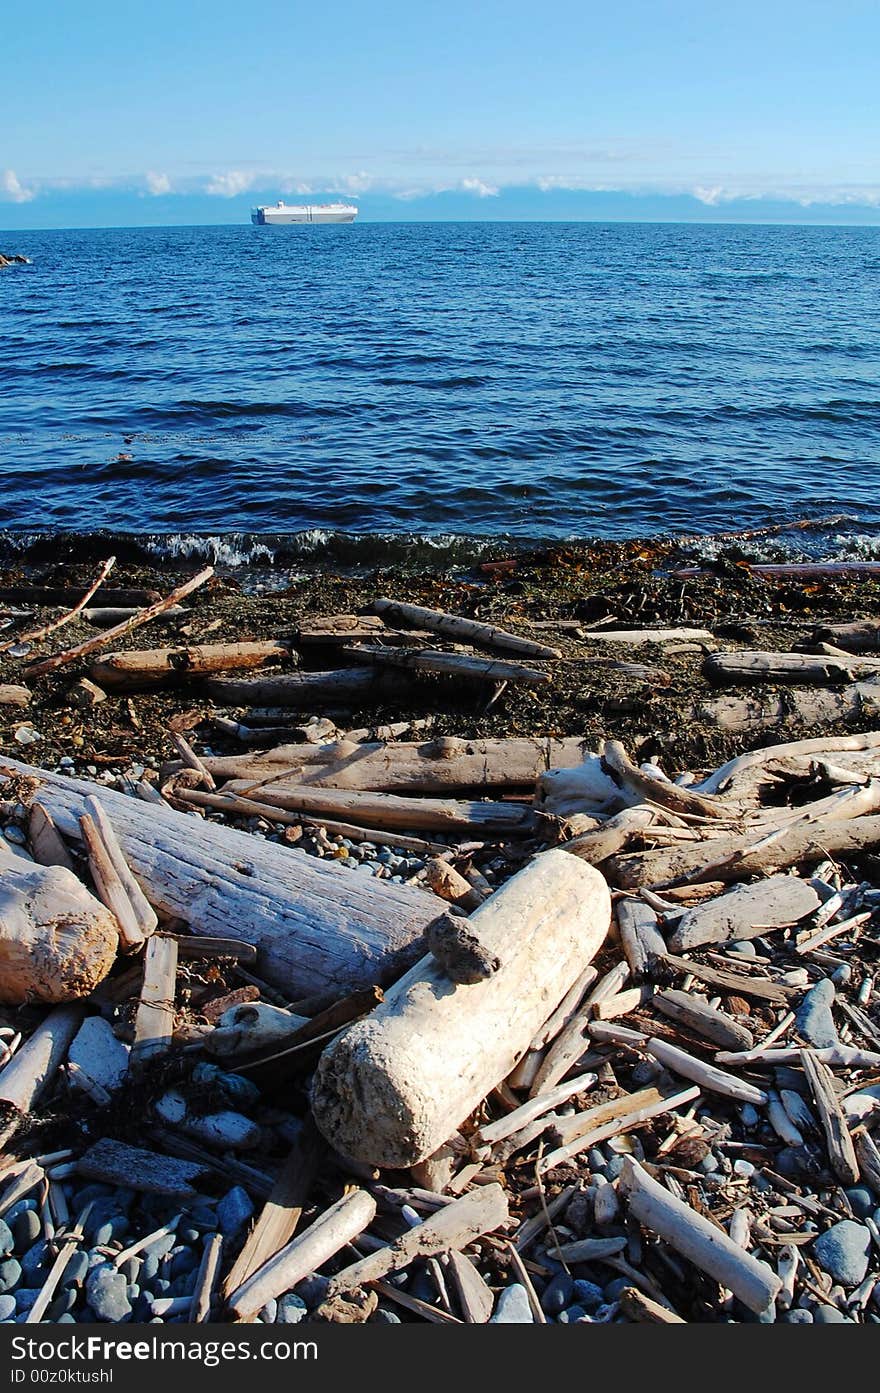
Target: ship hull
{"type": "Point", "coordinates": [284, 217]}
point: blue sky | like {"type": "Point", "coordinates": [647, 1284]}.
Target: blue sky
{"type": "Point", "coordinates": [182, 112]}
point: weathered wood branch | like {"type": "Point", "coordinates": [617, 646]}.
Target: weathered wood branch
{"type": "Point", "coordinates": [156, 667]}
{"type": "Point", "coordinates": [481, 635]}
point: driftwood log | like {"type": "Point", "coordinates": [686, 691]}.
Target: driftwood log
{"type": "Point", "coordinates": [57, 942]}
{"type": "Point", "coordinates": [154, 667]}
{"type": "Point", "coordinates": [471, 630]}
{"type": "Point", "coordinates": [304, 689]}
{"type": "Point", "coordinates": [756, 667]}
{"type": "Point", "coordinates": [857, 701]}
{"type": "Point", "coordinates": [392, 1088]}
{"type": "Point", "coordinates": [479, 818]}
{"type": "Point", "coordinates": [428, 767]}
{"type": "Point", "coordinates": [319, 933]}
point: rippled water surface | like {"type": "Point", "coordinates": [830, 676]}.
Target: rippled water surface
{"type": "Point", "coordinates": [538, 380]}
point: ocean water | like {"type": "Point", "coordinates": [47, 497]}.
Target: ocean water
{"type": "Point", "coordinates": [513, 381]}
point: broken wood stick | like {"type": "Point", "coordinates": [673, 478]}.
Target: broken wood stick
{"type": "Point", "coordinates": [698, 1016]}
{"type": "Point", "coordinates": [393, 1087]}
{"type": "Point", "coordinates": [142, 617]}
{"type": "Point", "coordinates": [703, 1243]}
{"type": "Point", "coordinates": [154, 1023]}
{"type": "Point", "coordinates": [735, 983]}
{"type": "Point", "coordinates": [13, 695]}
{"type": "Point", "coordinates": [479, 1211]}
{"type": "Point", "coordinates": [302, 1257]}
{"type": "Point", "coordinates": [34, 1067]}
{"type": "Point", "coordinates": [480, 635]}
{"type": "Point", "coordinates": [492, 1132]}
{"type": "Point", "coordinates": [837, 1138]}
{"type": "Point", "coordinates": [44, 630]}
{"type": "Point", "coordinates": [282, 1211]}
{"type": "Point", "coordinates": [641, 940]}
{"type": "Point", "coordinates": [460, 665]}
{"type": "Point", "coordinates": [144, 913]}
{"type": "Point", "coordinates": [388, 810]}
{"type": "Point", "coordinates": [45, 841]}
{"type": "Point", "coordinates": [299, 689]}
{"type": "Point", "coordinates": [580, 1133]}
{"type": "Point", "coordinates": [206, 1280]}
{"type": "Point", "coordinates": [135, 1168]}
{"type": "Point", "coordinates": [109, 886]}
{"type": "Point", "coordinates": [706, 1075]}
{"type": "Point", "coordinates": [618, 764]}
{"type": "Point", "coordinates": [156, 667]}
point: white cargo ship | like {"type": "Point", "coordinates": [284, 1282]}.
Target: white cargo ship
{"type": "Point", "coordinates": [281, 213]}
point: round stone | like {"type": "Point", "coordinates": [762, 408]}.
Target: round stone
{"type": "Point", "coordinates": [830, 1315]}
{"type": "Point", "coordinates": [557, 1294]}
{"type": "Point", "coordinates": [843, 1251]}
{"type": "Point", "coordinates": [292, 1309]}
{"type": "Point", "coordinates": [512, 1307]}
{"type": "Point", "coordinates": [7, 1242]}
{"type": "Point", "coordinates": [107, 1293]}
{"type": "Point", "coordinates": [588, 1294]}
{"type": "Point", "coordinates": [10, 1274]}
{"type": "Point", "coordinates": [7, 1307]}
{"type": "Point", "coordinates": [26, 1229]}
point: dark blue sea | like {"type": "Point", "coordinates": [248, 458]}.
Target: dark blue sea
{"type": "Point", "coordinates": [510, 381]}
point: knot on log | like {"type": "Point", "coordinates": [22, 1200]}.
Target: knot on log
{"type": "Point", "coordinates": [459, 951]}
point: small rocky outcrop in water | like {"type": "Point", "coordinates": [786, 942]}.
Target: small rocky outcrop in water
{"type": "Point", "coordinates": [13, 260]}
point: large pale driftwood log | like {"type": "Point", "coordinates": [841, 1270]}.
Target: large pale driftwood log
{"type": "Point", "coordinates": [859, 636]}
{"type": "Point", "coordinates": [142, 617]}
{"type": "Point", "coordinates": [156, 667]}
{"type": "Point", "coordinates": [755, 667]}
{"type": "Point", "coordinates": [453, 1227]}
{"type": "Point", "coordinates": [704, 1244]}
{"type": "Point", "coordinates": [391, 811]}
{"type": "Point", "coordinates": [730, 858]}
{"type": "Point", "coordinates": [641, 940]}
{"type": "Point", "coordinates": [432, 766]}
{"type": "Point", "coordinates": [12, 695]}
{"type": "Point", "coordinates": [856, 701]}
{"type": "Point", "coordinates": [35, 1066]}
{"type": "Point", "coordinates": [319, 933]}
{"type": "Point", "coordinates": [678, 800]}
{"type": "Point", "coordinates": [481, 635]}
{"type": "Point", "coordinates": [713, 1025]}
{"type": "Point", "coordinates": [332, 1230]}
{"type": "Point", "coordinates": [392, 1088]}
{"type": "Point", "coordinates": [462, 665]}
{"type": "Point", "coordinates": [57, 942]}
{"type": "Point", "coordinates": [745, 912]}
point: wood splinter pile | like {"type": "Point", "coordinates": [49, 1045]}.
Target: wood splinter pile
{"type": "Point", "coordinates": [638, 1081]}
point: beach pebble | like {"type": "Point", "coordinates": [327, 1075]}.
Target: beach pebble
{"type": "Point", "coordinates": [512, 1307]}
{"type": "Point", "coordinates": [26, 1229]}
{"type": "Point", "coordinates": [7, 1307]}
{"type": "Point", "coordinates": [36, 1262]}
{"type": "Point", "coordinates": [382, 1316]}
{"type": "Point", "coordinates": [572, 1315]}
{"type": "Point", "coordinates": [843, 1252]}
{"type": "Point", "coordinates": [100, 1058]}
{"type": "Point", "coordinates": [25, 1298]}
{"type": "Point", "coordinates": [15, 835]}
{"type": "Point", "coordinates": [830, 1315]}
{"type": "Point", "coordinates": [7, 1242]}
{"type": "Point", "coordinates": [749, 1116]}
{"type": "Point", "coordinates": [742, 948]}
{"type": "Point", "coordinates": [292, 1309]}
{"type": "Point", "coordinates": [10, 1274]}
{"type": "Point", "coordinates": [798, 1317]}
{"type": "Point", "coordinates": [234, 1211]}
{"type": "Point", "coordinates": [814, 1020]}
{"type": "Point", "coordinates": [107, 1293]}
{"type": "Point", "coordinates": [269, 1313]}
{"type": "Point", "coordinates": [588, 1294]}
{"type": "Point", "coordinates": [861, 1201]}
{"type": "Point", "coordinates": [557, 1294]}
{"type": "Point", "coordinates": [795, 977]}
{"type": "Point", "coordinates": [20, 1207]}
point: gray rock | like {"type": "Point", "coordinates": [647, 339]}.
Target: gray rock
{"type": "Point", "coordinates": [382, 1316]}
{"type": "Point", "coordinates": [233, 1211]}
{"type": "Point", "coordinates": [7, 1242]}
{"type": "Point", "coordinates": [743, 948]}
{"type": "Point", "coordinates": [843, 1251]}
{"type": "Point", "coordinates": [557, 1294]}
{"type": "Point", "coordinates": [292, 1309]}
{"type": "Point", "coordinates": [269, 1313]}
{"type": "Point", "coordinates": [36, 1262]}
{"type": "Point", "coordinates": [798, 1318]}
{"type": "Point", "coordinates": [588, 1294]}
{"type": "Point", "coordinates": [20, 1207]}
{"type": "Point", "coordinates": [572, 1315]}
{"type": "Point", "coordinates": [814, 1020]}
{"type": "Point", "coordinates": [830, 1315]}
{"type": "Point", "coordinates": [512, 1307]}
{"type": "Point", "coordinates": [107, 1293]}
{"type": "Point", "coordinates": [10, 1274]}
{"type": "Point", "coordinates": [7, 1307]}
{"type": "Point", "coordinates": [98, 1055]}
{"type": "Point", "coordinates": [27, 1229]}
{"type": "Point", "coordinates": [25, 1298]}
{"type": "Point", "coordinates": [861, 1200]}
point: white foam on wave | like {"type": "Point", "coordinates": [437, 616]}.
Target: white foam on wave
{"type": "Point", "coordinates": [234, 549]}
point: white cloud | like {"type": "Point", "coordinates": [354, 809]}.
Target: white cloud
{"type": "Point", "coordinates": [355, 183]}
{"type": "Point", "coordinates": [711, 197]}
{"type": "Point", "coordinates": [479, 188]}
{"type": "Point", "coordinates": [13, 189]}
{"type": "Point", "coordinates": [228, 185]}
{"type": "Point", "coordinates": [157, 184]}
